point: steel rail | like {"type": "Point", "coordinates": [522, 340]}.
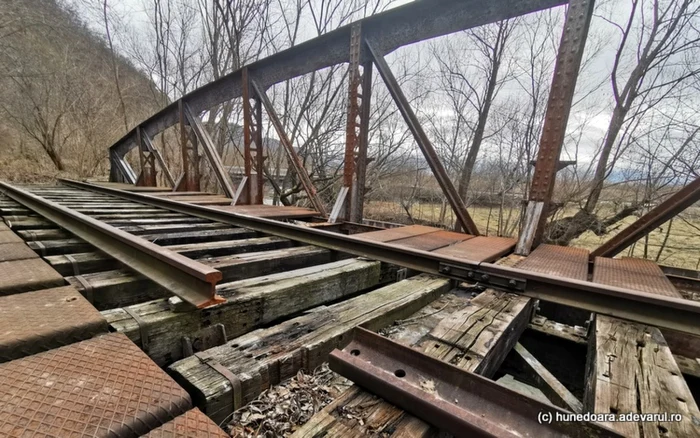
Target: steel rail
{"type": "Point", "coordinates": [657, 310]}
{"type": "Point", "coordinates": [457, 401]}
{"type": "Point", "coordinates": [190, 280]}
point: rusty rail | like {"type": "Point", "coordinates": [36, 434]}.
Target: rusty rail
{"type": "Point", "coordinates": [190, 280]}
{"type": "Point", "coordinates": [450, 398]}
{"type": "Point", "coordinates": [656, 310]}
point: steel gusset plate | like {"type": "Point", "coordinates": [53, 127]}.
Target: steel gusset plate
{"type": "Point", "coordinates": [457, 401]}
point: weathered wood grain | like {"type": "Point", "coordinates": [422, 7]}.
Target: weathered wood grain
{"type": "Point", "coordinates": [631, 369]}
{"type": "Point", "coordinates": [250, 304]}
{"type": "Point", "coordinates": [267, 356]}
{"type": "Point", "coordinates": [119, 288]}
{"type": "Point", "coordinates": [476, 337]}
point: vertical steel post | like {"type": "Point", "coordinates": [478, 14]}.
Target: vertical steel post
{"type": "Point", "coordinates": [148, 174]}
{"type": "Point", "coordinates": [350, 199]}
{"type": "Point", "coordinates": [571, 47]}
{"type": "Point", "coordinates": [189, 181]}
{"type": "Point", "coordinates": [253, 152]}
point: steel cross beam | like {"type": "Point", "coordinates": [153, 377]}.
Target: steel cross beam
{"type": "Point", "coordinates": [458, 402]}
{"type": "Point", "coordinates": [148, 144]}
{"type": "Point", "coordinates": [210, 150]}
{"type": "Point", "coordinates": [188, 279]}
{"type": "Point", "coordinates": [189, 180]}
{"type": "Point", "coordinates": [571, 47]}
{"type": "Point", "coordinates": [294, 158]}
{"type": "Point", "coordinates": [424, 143]}
{"type": "Point", "coordinates": [676, 203]}
{"type": "Point", "coordinates": [656, 310]}
{"type": "Point", "coordinates": [387, 31]}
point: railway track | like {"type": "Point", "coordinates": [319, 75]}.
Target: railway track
{"type": "Point", "coordinates": [231, 304]}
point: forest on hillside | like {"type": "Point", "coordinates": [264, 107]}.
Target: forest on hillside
{"type": "Point", "coordinates": [60, 106]}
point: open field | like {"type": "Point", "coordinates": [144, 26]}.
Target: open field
{"type": "Point", "coordinates": [681, 246]}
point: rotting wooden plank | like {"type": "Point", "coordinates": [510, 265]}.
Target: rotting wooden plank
{"type": "Point", "coordinates": [200, 236]}
{"type": "Point", "coordinates": [60, 246]}
{"type": "Point", "coordinates": [476, 337]}
{"type": "Point", "coordinates": [52, 234]}
{"type": "Point", "coordinates": [119, 288]}
{"type": "Point", "coordinates": [479, 249]}
{"type": "Point", "coordinates": [250, 304]}
{"type": "Point", "coordinates": [548, 327]}
{"type": "Point", "coordinates": [630, 369]}
{"type": "Point", "coordinates": [688, 366]}
{"type": "Point", "coordinates": [546, 382]}
{"type": "Point", "coordinates": [229, 247]}
{"type": "Point", "coordinates": [82, 263]}
{"type": "Point", "coordinates": [268, 356]}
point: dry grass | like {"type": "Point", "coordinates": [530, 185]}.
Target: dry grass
{"type": "Point", "coordinates": [682, 247]}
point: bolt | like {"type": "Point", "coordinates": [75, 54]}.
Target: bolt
{"type": "Point", "coordinates": [470, 274]}
{"type": "Point", "coordinates": [513, 283]}
{"type": "Point", "coordinates": [444, 269]}
{"type": "Point", "coordinates": [485, 277]}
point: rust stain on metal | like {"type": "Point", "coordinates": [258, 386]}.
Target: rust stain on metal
{"type": "Point", "coordinates": [563, 261]}
{"type": "Point", "coordinates": [37, 321]}
{"type": "Point", "coordinates": [16, 251]}
{"type": "Point", "coordinates": [104, 386]}
{"type": "Point", "coordinates": [396, 233]}
{"type": "Point", "coordinates": [25, 275]}
{"type": "Point", "coordinates": [479, 249]}
{"type": "Point", "coordinates": [637, 274]}
{"type": "Point", "coordinates": [432, 241]}
{"type": "Point", "coordinates": [192, 423]}
{"type": "Point", "coordinates": [455, 400]}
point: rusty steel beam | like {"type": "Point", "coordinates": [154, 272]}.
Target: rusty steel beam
{"type": "Point", "coordinates": [190, 280]}
{"type": "Point", "coordinates": [148, 163]}
{"type": "Point", "coordinates": [148, 144]}
{"type": "Point", "coordinates": [450, 398]}
{"type": "Point", "coordinates": [387, 31]}
{"type": "Point", "coordinates": [426, 147]}
{"type": "Point", "coordinates": [294, 158]}
{"type": "Point", "coordinates": [253, 148]}
{"type": "Point", "coordinates": [672, 206]}
{"type": "Point", "coordinates": [651, 309]}
{"type": "Point", "coordinates": [561, 95]}
{"type": "Point", "coordinates": [357, 196]}
{"type": "Point", "coordinates": [189, 179]}
{"type": "Point", "coordinates": [210, 150]}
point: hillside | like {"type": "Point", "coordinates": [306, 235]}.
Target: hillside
{"type": "Point", "coordinates": [59, 107]}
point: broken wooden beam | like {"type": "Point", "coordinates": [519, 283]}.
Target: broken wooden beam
{"type": "Point", "coordinates": [119, 288]}
{"type": "Point", "coordinates": [476, 337]}
{"type": "Point", "coordinates": [268, 356]}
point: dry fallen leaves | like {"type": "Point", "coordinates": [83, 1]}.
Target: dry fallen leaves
{"type": "Point", "coordinates": [280, 410]}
